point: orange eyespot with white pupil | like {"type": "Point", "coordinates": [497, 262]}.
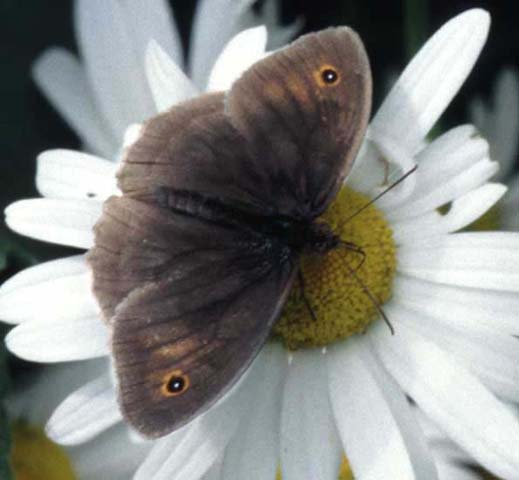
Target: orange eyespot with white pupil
{"type": "Point", "coordinates": [327, 76]}
{"type": "Point", "coordinates": [175, 383]}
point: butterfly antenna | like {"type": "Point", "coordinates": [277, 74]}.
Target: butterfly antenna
{"type": "Point", "coordinates": [367, 291]}
{"type": "Point", "coordinates": [380, 195]}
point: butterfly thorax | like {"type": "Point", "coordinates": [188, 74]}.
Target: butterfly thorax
{"type": "Point", "coordinates": [305, 236]}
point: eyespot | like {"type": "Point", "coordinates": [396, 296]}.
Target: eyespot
{"type": "Point", "coordinates": [330, 76]}
{"type": "Point", "coordinates": [175, 383]}
{"type": "Point", "coordinates": [327, 76]}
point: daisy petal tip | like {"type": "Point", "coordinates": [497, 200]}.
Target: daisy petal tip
{"type": "Point", "coordinates": [432, 79]}
{"type": "Point", "coordinates": [46, 61]}
{"type": "Point", "coordinates": [241, 52]}
{"type": "Point", "coordinates": [169, 84]}
{"type": "Point", "coordinates": [476, 16]}
{"type": "Point", "coordinates": [258, 35]}
{"type": "Point", "coordinates": [51, 433]}
{"type": "Point", "coordinates": [132, 134]}
{"type": "Point", "coordinates": [154, 50]}
{"type": "Point", "coordinates": [55, 432]}
{"type": "Point", "coordinates": [17, 344]}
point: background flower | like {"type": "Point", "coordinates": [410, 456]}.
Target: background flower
{"type": "Point", "coordinates": [30, 406]}
{"type": "Point", "coordinates": [498, 121]}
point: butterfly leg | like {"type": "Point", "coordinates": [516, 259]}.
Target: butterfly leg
{"type": "Point", "coordinates": [301, 281]}
{"type": "Point", "coordinates": [367, 291]}
{"type": "Point", "coordinates": [356, 249]}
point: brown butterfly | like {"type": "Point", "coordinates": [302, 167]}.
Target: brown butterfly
{"type": "Point", "coordinates": [220, 197]}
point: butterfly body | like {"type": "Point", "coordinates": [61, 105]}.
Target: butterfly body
{"type": "Point", "coordinates": [221, 195]}
{"type": "Point", "coordinates": [292, 236]}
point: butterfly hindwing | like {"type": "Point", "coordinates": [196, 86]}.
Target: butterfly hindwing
{"type": "Point", "coordinates": [200, 305]}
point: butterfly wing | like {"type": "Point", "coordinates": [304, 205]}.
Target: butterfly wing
{"type": "Point", "coordinates": [281, 141]}
{"type": "Point", "coordinates": [304, 111]}
{"type": "Point", "coordinates": [199, 303]}
{"type": "Point", "coordinates": [194, 147]}
{"type": "Point", "coordinates": [193, 299]}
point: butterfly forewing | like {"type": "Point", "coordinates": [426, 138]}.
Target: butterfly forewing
{"type": "Point", "coordinates": [304, 111]}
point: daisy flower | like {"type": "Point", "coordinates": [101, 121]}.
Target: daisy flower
{"type": "Point", "coordinates": [33, 455]}
{"type": "Point", "coordinates": [451, 298]}
{"type": "Point", "coordinates": [498, 121]}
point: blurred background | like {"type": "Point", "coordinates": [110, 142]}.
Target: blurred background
{"type": "Point", "coordinates": [392, 31]}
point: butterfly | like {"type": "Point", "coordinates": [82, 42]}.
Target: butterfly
{"type": "Point", "coordinates": [221, 195]}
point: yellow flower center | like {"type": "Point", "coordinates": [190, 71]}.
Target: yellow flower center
{"type": "Point", "coordinates": [335, 283]}
{"type": "Point", "coordinates": [35, 457]}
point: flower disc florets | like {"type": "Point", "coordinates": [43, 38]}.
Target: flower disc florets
{"type": "Point", "coordinates": [337, 295]}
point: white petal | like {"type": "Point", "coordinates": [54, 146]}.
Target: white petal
{"type": "Point", "coordinates": [213, 26]}
{"type": "Point", "coordinates": [368, 171]}
{"type": "Point", "coordinates": [215, 472]}
{"type": "Point", "coordinates": [397, 161]}
{"type": "Point", "coordinates": [380, 435]}
{"type": "Point", "coordinates": [448, 156]}
{"type": "Point", "coordinates": [160, 452]}
{"type": "Point", "coordinates": [310, 444]}
{"type": "Point", "coordinates": [115, 71]}
{"type": "Point", "coordinates": [208, 436]}
{"type": "Point", "coordinates": [240, 53]}
{"type": "Point", "coordinates": [452, 397]}
{"type": "Point", "coordinates": [452, 152]}
{"type": "Point", "coordinates": [152, 20]}
{"type": "Point", "coordinates": [492, 356]}
{"type": "Point", "coordinates": [62, 340]}
{"type": "Point", "coordinates": [481, 260]}
{"type": "Point", "coordinates": [65, 222]}
{"type": "Point", "coordinates": [253, 452]}
{"type": "Point", "coordinates": [91, 461]}
{"type": "Point", "coordinates": [427, 199]}
{"type": "Point", "coordinates": [63, 80]}
{"type": "Point", "coordinates": [34, 400]}
{"type": "Point", "coordinates": [431, 80]}
{"type": "Point", "coordinates": [442, 447]}
{"type": "Point", "coordinates": [86, 413]}
{"type": "Point", "coordinates": [463, 211]}
{"type": "Point", "coordinates": [169, 84]}
{"type": "Point", "coordinates": [465, 307]}
{"type": "Point", "coordinates": [449, 167]}
{"type": "Point", "coordinates": [71, 174]}
{"type": "Point", "coordinates": [60, 289]}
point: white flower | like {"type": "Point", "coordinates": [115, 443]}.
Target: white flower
{"type": "Point", "coordinates": [453, 306]}
{"type": "Point", "coordinates": [29, 408]}
{"type": "Point", "coordinates": [499, 123]}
